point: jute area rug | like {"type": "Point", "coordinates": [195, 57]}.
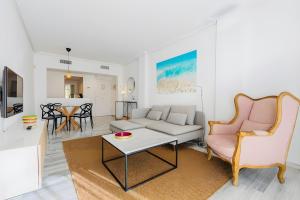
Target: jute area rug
{"type": "Point", "coordinates": [195, 177]}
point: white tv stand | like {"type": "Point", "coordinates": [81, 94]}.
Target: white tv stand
{"type": "Point", "coordinates": [22, 155]}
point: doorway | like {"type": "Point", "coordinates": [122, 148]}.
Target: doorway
{"type": "Point", "coordinates": [102, 90]}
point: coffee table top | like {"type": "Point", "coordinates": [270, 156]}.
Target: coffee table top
{"type": "Point", "coordinates": [141, 139]}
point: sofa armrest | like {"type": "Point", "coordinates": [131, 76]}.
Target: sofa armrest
{"type": "Point", "coordinates": [139, 113]}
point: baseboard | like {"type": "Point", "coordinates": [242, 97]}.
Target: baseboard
{"type": "Point", "coordinates": [293, 165]}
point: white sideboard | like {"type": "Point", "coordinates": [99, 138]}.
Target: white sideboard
{"type": "Point", "coordinates": [22, 155]}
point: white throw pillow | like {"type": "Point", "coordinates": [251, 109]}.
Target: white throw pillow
{"type": "Point", "coordinates": [190, 110]}
{"type": "Point", "coordinates": [165, 109]}
{"type": "Point", "coordinates": [177, 118]}
{"type": "Point", "coordinates": [154, 115]}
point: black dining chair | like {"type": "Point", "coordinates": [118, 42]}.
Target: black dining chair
{"type": "Point", "coordinates": [57, 113]}
{"type": "Point", "coordinates": [48, 114]}
{"type": "Point", "coordinates": [85, 112]}
{"type": "Point", "coordinates": [18, 108]}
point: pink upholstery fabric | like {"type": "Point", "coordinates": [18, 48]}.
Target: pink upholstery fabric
{"type": "Point", "coordinates": [223, 145]}
{"type": "Point", "coordinates": [249, 126]}
{"type": "Point", "coordinates": [267, 150]}
{"type": "Point", "coordinates": [264, 111]}
{"type": "Point", "coordinates": [244, 106]}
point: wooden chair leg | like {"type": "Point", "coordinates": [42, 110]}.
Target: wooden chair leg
{"type": "Point", "coordinates": [235, 173]}
{"type": "Point", "coordinates": [209, 153]}
{"type": "Point", "coordinates": [281, 172]}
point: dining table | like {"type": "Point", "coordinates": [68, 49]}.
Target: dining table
{"type": "Point", "coordinates": [68, 111]}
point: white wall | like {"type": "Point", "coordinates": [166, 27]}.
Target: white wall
{"type": "Point", "coordinates": [131, 70]}
{"type": "Point", "coordinates": [202, 41]}
{"type": "Point", "coordinates": [258, 54]}
{"type": "Point", "coordinates": [16, 53]}
{"type": "Point", "coordinates": [45, 61]}
{"type": "Point", "coordinates": [55, 84]}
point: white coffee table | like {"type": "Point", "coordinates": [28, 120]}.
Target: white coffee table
{"type": "Point", "coordinates": [141, 140]}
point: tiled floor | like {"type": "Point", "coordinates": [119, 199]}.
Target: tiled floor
{"type": "Point", "coordinates": [253, 184]}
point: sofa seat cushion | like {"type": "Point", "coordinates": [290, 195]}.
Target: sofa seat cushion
{"type": "Point", "coordinates": [223, 145]}
{"type": "Point", "coordinates": [126, 125]}
{"type": "Point", "coordinates": [142, 121]}
{"type": "Point", "coordinates": [172, 129]}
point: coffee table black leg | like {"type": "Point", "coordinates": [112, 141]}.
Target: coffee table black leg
{"type": "Point", "coordinates": [126, 172]}
{"type": "Point", "coordinates": [102, 151]}
{"type": "Point", "coordinates": [176, 153]}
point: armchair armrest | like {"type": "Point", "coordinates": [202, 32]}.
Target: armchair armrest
{"type": "Point", "coordinates": [258, 148]}
{"type": "Point", "coordinates": [218, 127]}
{"type": "Point", "coordinates": [139, 113]}
{"type": "Point", "coordinates": [255, 133]}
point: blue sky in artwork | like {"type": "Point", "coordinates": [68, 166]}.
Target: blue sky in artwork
{"type": "Point", "coordinates": [177, 66]}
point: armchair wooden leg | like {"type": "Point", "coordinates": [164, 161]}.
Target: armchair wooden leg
{"type": "Point", "coordinates": [281, 172]}
{"type": "Point", "coordinates": [235, 173]}
{"type": "Point", "coordinates": [209, 153]}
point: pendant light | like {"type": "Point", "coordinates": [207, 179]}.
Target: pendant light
{"type": "Point", "coordinates": [68, 75]}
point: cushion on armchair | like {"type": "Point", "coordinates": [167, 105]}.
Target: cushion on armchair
{"type": "Point", "coordinates": [223, 145]}
{"type": "Point", "coordinates": [252, 125]}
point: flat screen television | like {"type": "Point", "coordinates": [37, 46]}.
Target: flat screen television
{"type": "Point", "coordinates": [11, 93]}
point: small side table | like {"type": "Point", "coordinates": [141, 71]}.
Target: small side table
{"type": "Point", "coordinates": [126, 105]}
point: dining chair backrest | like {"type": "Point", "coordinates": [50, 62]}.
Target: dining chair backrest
{"type": "Point", "coordinates": [54, 105]}
{"type": "Point", "coordinates": [18, 108]}
{"type": "Point", "coordinates": [86, 109]}
{"type": "Point", "coordinates": [47, 111]}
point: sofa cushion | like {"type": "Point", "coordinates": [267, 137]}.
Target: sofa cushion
{"type": "Point", "coordinates": [142, 121]}
{"type": "Point", "coordinates": [177, 118]}
{"type": "Point", "coordinates": [189, 110]}
{"type": "Point", "coordinates": [172, 129]}
{"type": "Point", "coordinates": [126, 125]}
{"type": "Point", "coordinates": [248, 125]}
{"type": "Point", "coordinates": [223, 145]}
{"type": "Point", "coordinates": [164, 109]}
{"type": "Point", "coordinates": [154, 115]}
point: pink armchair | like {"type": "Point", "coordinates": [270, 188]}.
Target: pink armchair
{"type": "Point", "coordinates": [258, 136]}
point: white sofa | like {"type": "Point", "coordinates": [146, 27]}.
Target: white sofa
{"type": "Point", "coordinates": [193, 128]}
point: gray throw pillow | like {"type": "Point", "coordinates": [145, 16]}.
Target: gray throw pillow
{"type": "Point", "coordinates": [154, 115]}
{"type": "Point", "coordinates": [177, 118]}
{"type": "Point", "coordinates": [189, 110]}
{"type": "Point", "coordinates": [162, 108]}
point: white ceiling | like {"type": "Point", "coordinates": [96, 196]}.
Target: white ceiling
{"type": "Point", "coordinates": [113, 30]}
